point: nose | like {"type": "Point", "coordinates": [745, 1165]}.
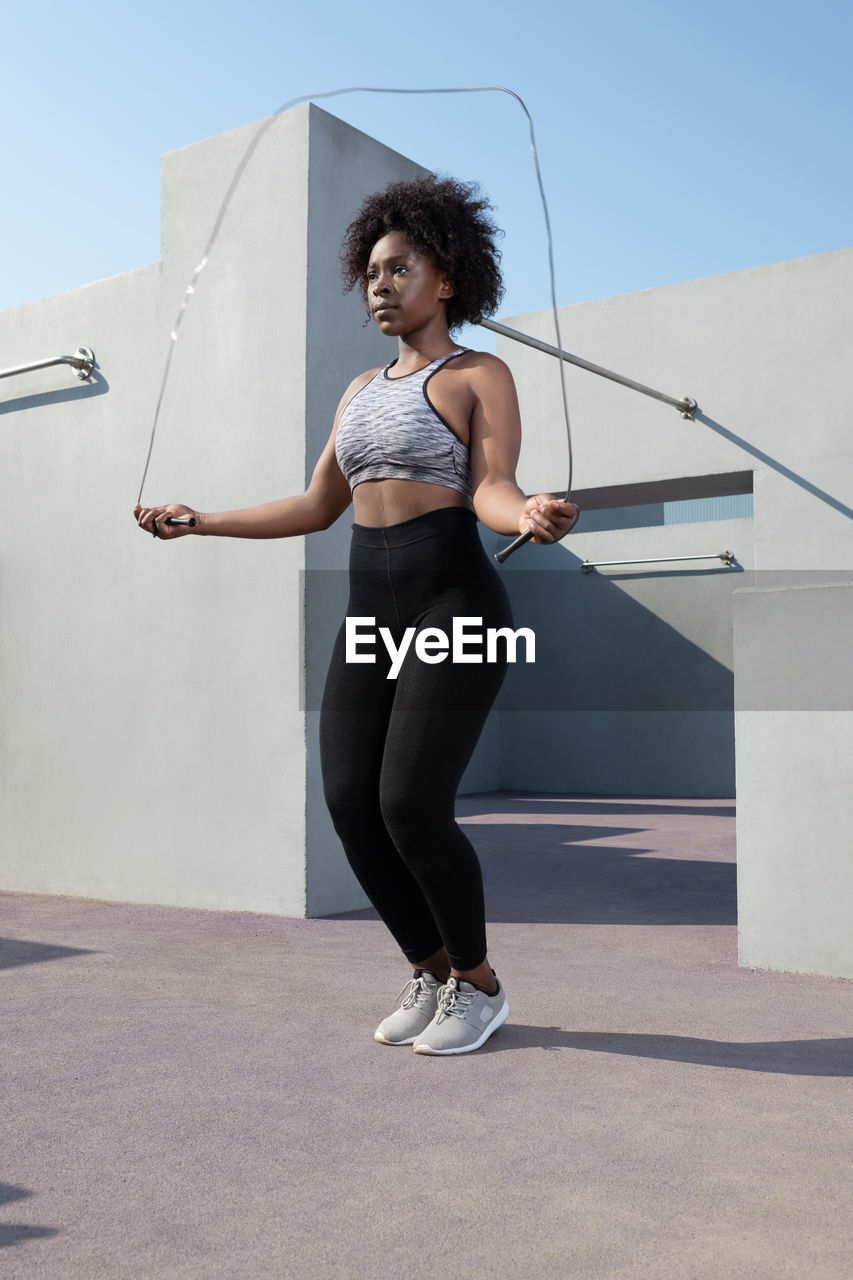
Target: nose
{"type": "Point", "coordinates": [380, 284]}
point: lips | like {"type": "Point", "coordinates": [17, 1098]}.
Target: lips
{"type": "Point", "coordinates": [380, 310]}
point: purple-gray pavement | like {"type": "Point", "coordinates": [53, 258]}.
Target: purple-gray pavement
{"type": "Point", "coordinates": [189, 1095]}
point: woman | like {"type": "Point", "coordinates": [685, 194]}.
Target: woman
{"type": "Point", "coordinates": [422, 448]}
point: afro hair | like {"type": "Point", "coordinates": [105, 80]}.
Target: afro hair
{"type": "Point", "coordinates": [448, 222]}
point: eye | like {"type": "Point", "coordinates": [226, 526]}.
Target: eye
{"type": "Point", "coordinates": [401, 268]}
{"type": "Point", "coordinates": [371, 275]}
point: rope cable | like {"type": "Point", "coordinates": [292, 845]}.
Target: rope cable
{"type": "Point", "coordinates": [235, 181]}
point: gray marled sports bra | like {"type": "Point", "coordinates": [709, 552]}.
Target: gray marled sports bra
{"type": "Point", "coordinates": [390, 431]}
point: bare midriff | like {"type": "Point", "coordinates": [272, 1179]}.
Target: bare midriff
{"type": "Point", "coordinates": [377, 503]}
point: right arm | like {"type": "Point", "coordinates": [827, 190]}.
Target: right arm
{"type": "Point", "coordinates": [327, 497]}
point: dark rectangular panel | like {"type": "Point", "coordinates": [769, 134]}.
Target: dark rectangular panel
{"type": "Point", "coordinates": [679, 489]}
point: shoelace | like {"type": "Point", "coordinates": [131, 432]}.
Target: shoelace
{"type": "Point", "coordinates": [454, 1003]}
{"type": "Point", "coordinates": [414, 992]}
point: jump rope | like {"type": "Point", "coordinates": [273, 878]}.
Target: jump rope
{"type": "Point", "coordinates": [220, 218]}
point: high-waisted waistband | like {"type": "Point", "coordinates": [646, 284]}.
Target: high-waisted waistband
{"type": "Point", "coordinates": [444, 520]}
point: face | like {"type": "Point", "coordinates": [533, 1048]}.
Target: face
{"type": "Point", "coordinates": [405, 290]}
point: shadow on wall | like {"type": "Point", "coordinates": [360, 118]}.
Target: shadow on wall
{"type": "Point", "coordinates": [603, 644]}
{"type": "Point", "coordinates": [97, 386]}
{"type": "Point", "coordinates": [775, 465]}
{"type": "Point", "coordinates": [648, 710]}
{"type": "Point", "coordinates": [645, 709]}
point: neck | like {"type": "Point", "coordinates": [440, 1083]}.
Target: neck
{"type": "Point", "coordinates": [424, 345]}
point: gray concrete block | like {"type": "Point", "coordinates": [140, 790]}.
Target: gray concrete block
{"type": "Point", "coordinates": [794, 765]}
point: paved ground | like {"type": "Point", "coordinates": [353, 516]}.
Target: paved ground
{"type": "Point", "coordinates": [192, 1094]}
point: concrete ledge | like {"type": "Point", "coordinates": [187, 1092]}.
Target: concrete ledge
{"type": "Point", "coordinates": [794, 768]}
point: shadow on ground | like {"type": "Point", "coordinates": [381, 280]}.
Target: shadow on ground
{"type": "Point", "coordinates": [570, 860]}
{"type": "Point", "coordinates": [12, 1233]}
{"type": "Point", "coordinates": [549, 875]}
{"type": "Point", "coordinates": [14, 952]}
{"type": "Point", "coordinates": [832, 1057]}
{"type": "Point", "coordinates": [498, 803]}
{"type": "Point", "coordinates": [555, 865]}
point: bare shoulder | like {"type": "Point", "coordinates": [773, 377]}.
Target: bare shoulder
{"type": "Point", "coordinates": [485, 371]}
{"type": "Point", "coordinates": [483, 364]}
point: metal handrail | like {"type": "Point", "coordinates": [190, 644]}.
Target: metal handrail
{"type": "Point", "coordinates": [727, 558]}
{"type": "Point", "coordinates": [686, 405]}
{"type": "Point", "coordinates": [83, 361]}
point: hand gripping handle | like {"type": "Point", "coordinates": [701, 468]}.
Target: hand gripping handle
{"type": "Point", "coordinates": [500, 556]}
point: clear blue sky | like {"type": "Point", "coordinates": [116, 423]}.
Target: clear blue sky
{"type": "Point", "coordinates": [676, 140]}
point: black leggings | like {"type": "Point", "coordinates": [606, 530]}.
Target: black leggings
{"type": "Point", "coordinates": [393, 751]}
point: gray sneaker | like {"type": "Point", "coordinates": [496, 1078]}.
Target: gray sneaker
{"type": "Point", "coordinates": [464, 1020]}
{"type": "Point", "coordinates": [418, 1003]}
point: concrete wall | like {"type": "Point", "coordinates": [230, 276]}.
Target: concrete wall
{"type": "Point", "coordinates": [156, 745]}
{"type": "Point", "coordinates": [341, 173]}
{"type": "Point", "coordinates": [794, 721]}
{"type": "Point", "coordinates": [762, 351]}
{"type": "Point", "coordinates": [646, 662]}
{"type": "Point", "coordinates": [160, 703]}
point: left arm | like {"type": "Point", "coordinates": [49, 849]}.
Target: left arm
{"type": "Point", "coordinates": [495, 446]}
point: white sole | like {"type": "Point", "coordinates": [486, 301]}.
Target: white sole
{"type": "Point", "coordinates": [381, 1039]}
{"type": "Point", "coordinates": [496, 1022]}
